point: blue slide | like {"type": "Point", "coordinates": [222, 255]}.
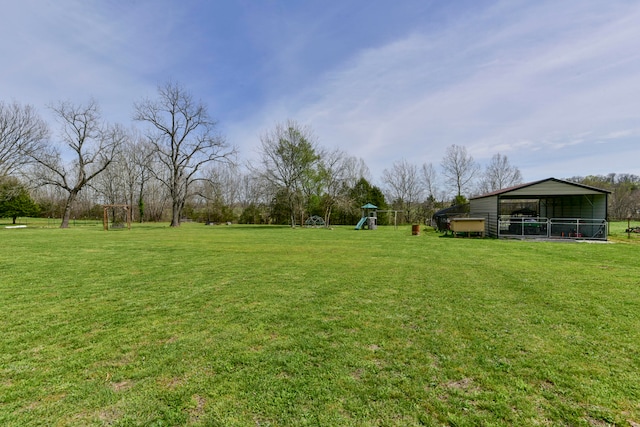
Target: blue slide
{"type": "Point", "coordinates": [361, 222]}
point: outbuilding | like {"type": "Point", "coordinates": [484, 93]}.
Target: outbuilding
{"type": "Point", "coordinates": [550, 208]}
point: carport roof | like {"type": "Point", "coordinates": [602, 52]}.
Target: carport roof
{"type": "Point", "coordinates": [529, 184]}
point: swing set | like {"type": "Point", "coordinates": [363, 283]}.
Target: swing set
{"type": "Point", "coordinates": [125, 209]}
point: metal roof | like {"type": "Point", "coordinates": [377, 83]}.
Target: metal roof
{"type": "Point", "coordinates": [529, 184]}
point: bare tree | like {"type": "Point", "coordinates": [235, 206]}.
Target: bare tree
{"type": "Point", "coordinates": [49, 198]}
{"type": "Point", "coordinates": [125, 179]}
{"type": "Point", "coordinates": [403, 186]}
{"type": "Point", "coordinates": [224, 181]}
{"type": "Point", "coordinates": [499, 174]}
{"type": "Point", "coordinates": [90, 143]}
{"type": "Point", "coordinates": [184, 138]}
{"type": "Point", "coordinates": [139, 162]}
{"type": "Point", "coordinates": [459, 169]}
{"type": "Point", "coordinates": [110, 185]}
{"type": "Point", "coordinates": [22, 133]}
{"type": "Point", "coordinates": [251, 190]}
{"type": "Point", "coordinates": [254, 196]}
{"type": "Point", "coordinates": [289, 158]}
{"type": "Point", "coordinates": [625, 198]}
{"type": "Point", "coordinates": [430, 177]}
{"type": "Point", "coordinates": [338, 174]}
{"type": "Point", "coordinates": [433, 193]}
{"type": "Point", "coordinates": [220, 192]}
{"type": "Point", "coordinates": [156, 200]}
{"type": "Point", "coordinates": [359, 169]}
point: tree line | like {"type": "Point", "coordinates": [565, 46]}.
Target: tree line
{"type": "Point", "coordinates": [175, 165]}
{"type": "Point", "coordinates": [624, 201]}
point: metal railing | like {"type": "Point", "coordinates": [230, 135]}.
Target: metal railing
{"type": "Point", "coordinates": [578, 228]}
{"type": "Point", "coordinates": [517, 226]}
{"type": "Point", "coordinates": [562, 228]}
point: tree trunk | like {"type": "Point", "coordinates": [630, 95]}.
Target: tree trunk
{"type": "Point", "coordinates": [141, 202]}
{"type": "Point", "coordinates": [67, 209]}
{"type": "Point", "coordinates": [327, 216]}
{"type": "Point", "coordinates": [176, 212]}
{"type": "Point", "coordinates": [140, 209]}
{"type": "Point", "coordinates": [292, 211]}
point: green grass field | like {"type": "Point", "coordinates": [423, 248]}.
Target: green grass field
{"type": "Point", "coordinates": [269, 326]}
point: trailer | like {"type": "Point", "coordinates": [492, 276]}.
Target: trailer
{"type": "Point", "coordinates": [467, 225]}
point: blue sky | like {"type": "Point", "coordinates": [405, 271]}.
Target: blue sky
{"type": "Point", "coordinates": [554, 85]}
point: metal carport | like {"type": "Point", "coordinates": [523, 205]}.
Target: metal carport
{"type": "Point", "coordinates": [550, 208]}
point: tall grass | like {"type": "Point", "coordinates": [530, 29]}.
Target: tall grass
{"type": "Point", "coordinates": [248, 325]}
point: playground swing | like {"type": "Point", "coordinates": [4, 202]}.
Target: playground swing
{"type": "Point", "coordinates": [121, 215]}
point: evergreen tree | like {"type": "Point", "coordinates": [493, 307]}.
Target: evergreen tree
{"type": "Point", "coordinates": [15, 200]}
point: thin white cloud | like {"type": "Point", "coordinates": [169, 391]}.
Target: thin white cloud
{"type": "Point", "coordinates": [515, 89]}
{"type": "Point", "coordinates": [550, 84]}
{"type": "Point", "coordinates": [75, 50]}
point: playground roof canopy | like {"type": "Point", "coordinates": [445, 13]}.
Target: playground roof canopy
{"type": "Point", "coordinates": [369, 206]}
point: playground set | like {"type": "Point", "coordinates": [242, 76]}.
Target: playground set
{"type": "Point", "coordinates": [117, 221]}
{"type": "Point", "coordinates": [369, 218]}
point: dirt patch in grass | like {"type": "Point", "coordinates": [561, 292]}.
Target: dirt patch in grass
{"type": "Point", "coordinates": [357, 374]}
{"type": "Point", "coordinates": [465, 384]}
{"type": "Point", "coordinates": [197, 411]}
{"type": "Point", "coordinates": [121, 386]}
{"type": "Point", "coordinates": [108, 416]}
{"type": "Point", "coordinates": [170, 383]}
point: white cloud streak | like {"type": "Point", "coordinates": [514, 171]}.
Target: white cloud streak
{"type": "Point", "coordinates": [553, 85]}
{"type": "Point", "coordinates": [75, 50]}
{"type": "Point", "coordinates": [546, 84]}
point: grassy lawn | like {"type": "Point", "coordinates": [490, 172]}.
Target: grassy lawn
{"type": "Point", "coordinates": [268, 326]}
